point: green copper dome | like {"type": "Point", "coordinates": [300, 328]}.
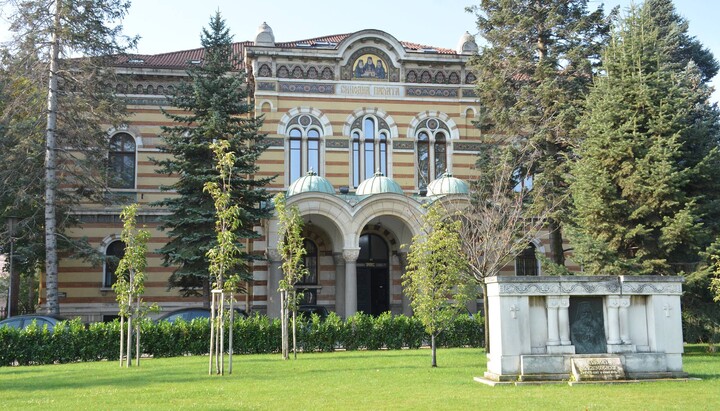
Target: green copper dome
{"type": "Point", "coordinates": [378, 184]}
{"type": "Point", "coordinates": [310, 182]}
{"type": "Point", "coordinates": [447, 184]}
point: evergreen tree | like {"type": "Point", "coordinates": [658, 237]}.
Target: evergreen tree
{"type": "Point", "coordinates": [531, 77]}
{"type": "Point", "coordinates": [215, 106]}
{"type": "Point", "coordinates": [646, 191]}
{"type": "Point", "coordinates": [66, 45]}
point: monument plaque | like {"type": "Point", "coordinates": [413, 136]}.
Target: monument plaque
{"type": "Point", "coordinates": [587, 326]}
{"type": "Point", "coordinates": [598, 369]}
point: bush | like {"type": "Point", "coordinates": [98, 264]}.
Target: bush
{"type": "Point", "coordinates": [72, 341]}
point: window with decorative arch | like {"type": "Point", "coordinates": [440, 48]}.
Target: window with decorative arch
{"type": "Point", "coordinates": [121, 161]}
{"type": "Point", "coordinates": [308, 283]}
{"type": "Point", "coordinates": [431, 137]}
{"type": "Point", "coordinates": [304, 133]}
{"type": "Point", "coordinates": [370, 136]}
{"type": "Point", "coordinates": [526, 263]}
{"type": "Point", "coordinates": [114, 252]}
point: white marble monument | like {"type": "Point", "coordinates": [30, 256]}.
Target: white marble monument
{"type": "Point", "coordinates": [584, 327]}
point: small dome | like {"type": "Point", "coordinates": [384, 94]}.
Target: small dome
{"type": "Point", "coordinates": [467, 44]}
{"type": "Point", "coordinates": [378, 184]}
{"type": "Point", "coordinates": [447, 184]}
{"type": "Point", "coordinates": [265, 36]}
{"type": "Point", "coordinates": [310, 182]}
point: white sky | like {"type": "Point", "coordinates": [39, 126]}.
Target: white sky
{"type": "Point", "coordinates": [172, 25]}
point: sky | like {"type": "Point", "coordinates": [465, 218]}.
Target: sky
{"type": "Point", "coordinates": [172, 25]}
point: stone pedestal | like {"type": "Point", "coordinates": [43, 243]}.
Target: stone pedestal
{"type": "Point", "coordinates": [532, 330]}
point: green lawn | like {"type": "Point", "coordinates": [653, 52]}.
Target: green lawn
{"type": "Point", "coordinates": [367, 380]}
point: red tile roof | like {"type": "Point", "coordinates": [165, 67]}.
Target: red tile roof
{"type": "Point", "coordinates": [180, 59]}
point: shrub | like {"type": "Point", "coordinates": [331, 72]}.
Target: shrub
{"type": "Point", "coordinates": [72, 341]}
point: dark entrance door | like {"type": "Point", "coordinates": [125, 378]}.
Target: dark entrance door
{"type": "Point", "coordinates": [373, 276]}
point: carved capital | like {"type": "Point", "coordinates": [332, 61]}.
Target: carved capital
{"type": "Point", "coordinates": [553, 301]}
{"type": "Point", "coordinates": [624, 301]}
{"type": "Point", "coordinates": [613, 301]}
{"type": "Point", "coordinates": [338, 258]}
{"type": "Point", "coordinates": [351, 254]}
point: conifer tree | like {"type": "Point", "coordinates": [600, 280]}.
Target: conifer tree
{"type": "Point", "coordinates": [215, 105]}
{"type": "Point", "coordinates": [537, 64]}
{"type": "Point", "coordinates": [646, 186]}
{"type": "Point", "coordinates": [67, 46]}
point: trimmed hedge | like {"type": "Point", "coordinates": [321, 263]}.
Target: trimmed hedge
{"type": "Point", "coordinates": [74, 342]}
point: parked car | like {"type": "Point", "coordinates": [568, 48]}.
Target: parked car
{"type": "Point", "coordinates": [307, 310]}
{"type": "Point", "coordinates": [189, 314]}
{"type": "Point", "coordinates": [24, 321]}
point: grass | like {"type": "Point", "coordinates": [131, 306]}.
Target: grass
{"type": "Point", "coordinates": [361, 380]}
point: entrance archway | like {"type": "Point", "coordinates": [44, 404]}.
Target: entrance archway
{"type": "Point", "coordinates": [373, 275]}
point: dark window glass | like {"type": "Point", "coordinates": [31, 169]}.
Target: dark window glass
{"type": "Point", "coordinates": [526, 263]}
{"type": "Point", "coordinates": [121, 161]}
{"type": "Point", "coordinates": [383, 153]}
{"type": "Point", "coordinates": [440, 155]}
{"type": "Point", "coordinates": [114, 252]}
{"type": "Point", "coordinates": [313, 151]}
{"type": "Point", "coordinates": [295, 155]}
{"type": "Point", "coordinates": [423, 160]}
{"type": "Point", "coordinates": [311, 263]}
{"type": "Point", "coordinates": [356, 159]}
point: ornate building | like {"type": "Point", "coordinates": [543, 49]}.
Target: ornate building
{"type": "Point", "coordinates": [363, 129]}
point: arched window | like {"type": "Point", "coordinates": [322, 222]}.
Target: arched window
{"type": "Point", "coordinates": [431, 150]}
{"type": "Point", "coordinates": [304, 140]}
{"type": "Point", "coordinates": [113, 253]}
{"type": "Point", "coordinates": [369, 148]}
{"type": "Point", "coordinates": [311, 279]}
{"type": "Point", "coordinates": [526, 263]}
{"type": "Point", "coordinates": [121, 161]}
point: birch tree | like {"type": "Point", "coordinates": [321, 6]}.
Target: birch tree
{"type": "Point", "coordinates": [72, 43]}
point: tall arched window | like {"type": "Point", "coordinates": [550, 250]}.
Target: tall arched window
{"type": "Point", "coordinates": [304, 139]}
{"type": "Point", "coordinates": [369, 148]}
{"type": "Point", "coordinates": [431, 150]}
{"type": "Point", "coordinates": [121, 161]}
{"type": "Point", "coordinates": [113, 253]}
{"type": "Point", "coordinates": [311, 279]}
{"type": "Point", "coordinates": [526, 263]}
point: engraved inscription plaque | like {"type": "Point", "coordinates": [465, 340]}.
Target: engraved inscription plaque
{"type": "Point", "coordinates": [598, 369]}
{"type": "Point", "coordinates": [587, 329]}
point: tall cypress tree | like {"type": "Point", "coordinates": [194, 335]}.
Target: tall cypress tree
{"type": "Point", "coordinates": [646, 189]}
{"type": "Point", "coordinates": [215, 106]}
{"type": "Point", "coordinates": [531, 78]}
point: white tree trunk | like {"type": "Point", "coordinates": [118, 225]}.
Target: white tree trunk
{"type": "Point", "coordinates": [137, 335]}
{"type": "Point", "coordinates": [51, 269]}
{"type": "Point", "coordinates": [122, 339]}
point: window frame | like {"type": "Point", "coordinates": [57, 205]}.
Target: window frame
{"type": "Point", "coordinates": [119, 167]}
{"type": "Point", "coordinates": [370, 142]}
{"type": "Point", "coordinates": [522, 260]}
{"type": "Point", "coordinates": [437, 141]}
{"type": "Point", "coordinates": [309, 135]}
{"type": "Point", "coordinates": [109, 277]}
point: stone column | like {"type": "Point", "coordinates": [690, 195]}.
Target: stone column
{"type": "Point", "coordinates": [339, 283]}
{"type": "Point", "coordinates": [273, 280]}
{"type": "Point", "coordinates": [624, 302]}
{"type": "Point", "coordinates": [406, 310]}
{"type": "Point", "coordinates": [613, 303]}
{"type": "Point", "coordinates": [350, 255]}
{"type": "Point", "coordinates": [564, 319]}
{"type": "Point", "coordinates": [552, 303]}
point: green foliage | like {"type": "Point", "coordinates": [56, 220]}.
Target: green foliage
{"type": "Point", "coordinates": [224, 255]}
{"type": "Point", "coordinates": [130, 284]}
{"type": "Point", "coordinates": [646, 187]}
{"type": "Point", "coordinates": [214, 106]}
{"type": "Point", "coordinates": [72, 341]}
{"type": "Point", "coordinates": [536, 65]}
{"type": "Point", "coordinates": [436, 278]}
